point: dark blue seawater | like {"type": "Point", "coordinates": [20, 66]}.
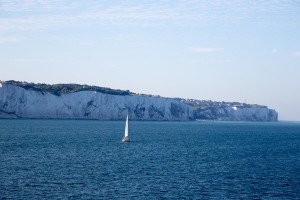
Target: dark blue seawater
{"type": "Point", "coordinates": [62, 159]}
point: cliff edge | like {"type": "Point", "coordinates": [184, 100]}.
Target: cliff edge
{"type": "Point", "coordinates": [74, 101]}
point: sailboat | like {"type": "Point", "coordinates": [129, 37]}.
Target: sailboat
{"type": "Point", "coordinates": [126, 138]}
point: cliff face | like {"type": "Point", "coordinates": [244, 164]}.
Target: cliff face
{"type": "Point", "coordinates": [17, 102]}
{"type": "Point", "coordinates": [258, 114]}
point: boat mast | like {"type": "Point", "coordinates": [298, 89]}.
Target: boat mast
{"type": "Point", "coordinates": [126, 126]}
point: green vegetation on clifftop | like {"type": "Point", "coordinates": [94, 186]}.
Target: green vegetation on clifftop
{"type": "Point", "coordinates": [61, 89]}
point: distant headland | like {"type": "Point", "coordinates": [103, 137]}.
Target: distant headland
{"type": "Point", "coordinates": [75, 101]}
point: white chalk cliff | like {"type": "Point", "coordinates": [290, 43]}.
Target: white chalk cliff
{"type": "Point", "coordinates": [17, 102]}
{"type": "Point", "coordinates": [257, 114]}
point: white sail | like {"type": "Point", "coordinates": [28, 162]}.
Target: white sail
{"type": "Point", "coordinates": [126, 127]}
{"type": "Point", "coordinates": [126, 139]}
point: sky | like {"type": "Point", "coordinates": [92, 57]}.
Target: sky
{"type": "Point", "coordinates": [245, 51]}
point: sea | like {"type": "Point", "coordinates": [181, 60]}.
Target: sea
{"type": "Point", "coordinates": [81, 159]}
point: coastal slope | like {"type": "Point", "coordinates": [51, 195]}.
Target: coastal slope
{"type": "Point", "coordinates": [230, 111]}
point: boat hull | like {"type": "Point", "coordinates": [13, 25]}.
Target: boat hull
{"type": "Point", "coordinates": [125, 139]}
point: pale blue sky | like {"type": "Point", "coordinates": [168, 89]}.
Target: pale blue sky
{"type": "Point", "coordinates": [246, 51]}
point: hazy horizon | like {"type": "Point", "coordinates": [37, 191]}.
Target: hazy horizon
{"type": "Point", "coordinates": [241, 51]}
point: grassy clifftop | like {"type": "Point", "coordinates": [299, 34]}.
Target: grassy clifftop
{"type": "Point", "coordinates": [61, 89]}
